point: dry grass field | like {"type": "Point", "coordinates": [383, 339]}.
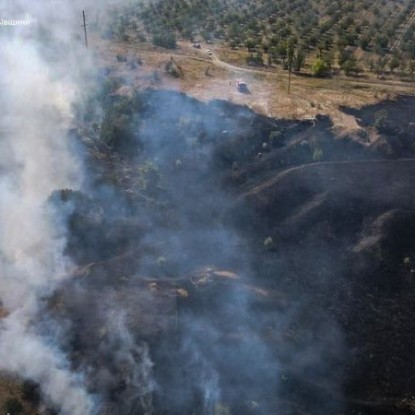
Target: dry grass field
{"type": "Point", "coordinates": [209, 77]}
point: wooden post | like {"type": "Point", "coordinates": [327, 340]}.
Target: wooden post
{"type": "Point", "coordinates": [290, 64]}
{"type": "Point", "coordinates": [84, 25]}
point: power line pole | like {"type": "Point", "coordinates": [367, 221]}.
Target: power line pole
{"type": "Point", "coordinates": [290, 53]}
{"type": "Point", "coordinates": [84, 26]}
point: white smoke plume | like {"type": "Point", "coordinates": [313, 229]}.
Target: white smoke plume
{"type": "Point", "coordinates": [35, 160]}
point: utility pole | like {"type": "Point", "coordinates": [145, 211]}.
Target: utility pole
{"type": "Point", "coordinates": [290, 53]}
{"type": "Point", "coordinates": [84, 26]}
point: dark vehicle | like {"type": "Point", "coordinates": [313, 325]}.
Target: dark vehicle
{"type": "Point", "coordinates": [242, 87]}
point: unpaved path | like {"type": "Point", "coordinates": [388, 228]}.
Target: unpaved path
{"type": "Point", "coordinates": [208, 77]}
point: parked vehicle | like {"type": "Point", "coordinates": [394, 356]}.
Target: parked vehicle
{"type": "Point", "coordinates": [242, 87]}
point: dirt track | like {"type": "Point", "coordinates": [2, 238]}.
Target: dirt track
{"type": "Point", "coordinates": [208, 77]}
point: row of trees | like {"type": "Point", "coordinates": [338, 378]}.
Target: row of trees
{"type": "Point", "coordinates": [291, 54]}
{"type": "Point", "coordinates": [322, 33]}
{"type": "Point", "coordinates": [266, 24]}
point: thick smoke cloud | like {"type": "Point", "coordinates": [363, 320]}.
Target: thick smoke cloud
{"type": "Point", "coordinates": [35, 159]}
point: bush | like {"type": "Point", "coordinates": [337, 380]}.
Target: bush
{"type": "Point", "coordinates": [173, 69]}
{"type": "Point", "coordinates": [350, 66]}
{"type": "Point", "coordinates": [319, 67]}
{"type": "Point", "coordinates": [165, 40]}
{"type": "Point", "coordinates": [318, 154]}
{"type": "Point", "coordinates": [381, 122]}
{"type": "Point", "coordinates": [117, 127]}
{"type": "Point", "coordinates": [255, 59]}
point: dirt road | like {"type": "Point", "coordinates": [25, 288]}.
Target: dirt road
{"type": "Point", "coordinates": [208, 77]}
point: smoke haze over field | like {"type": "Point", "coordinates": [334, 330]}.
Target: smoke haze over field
{"type": "Point", "coordinates": [166, 314]}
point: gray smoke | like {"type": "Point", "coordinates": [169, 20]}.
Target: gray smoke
{"type": "Point", "coordinates": [35, 159]}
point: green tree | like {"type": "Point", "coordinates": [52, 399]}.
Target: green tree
{"type": "Point", "coordinates": [351, 66]}
{"type": "Point", "coordinates": [381, 44]}
{"type": "Point", "coordinates": [282, 51]}
{"type": "Point", "coordinates": [318, 154]}
{"type": "Point", "coordinates": [364, 42]}
{"type": "Point", "coordinates": [290, 52]}
{"type": "Point", "coordinates": [250, 44]}
{"type": "Point", "coordinates": [393, 63]}
{"type": "Point", "coordinates": [299, 59]}
{"type": "Point", "coordinates": [371, 64]}
{"type": "Point", "coordinates": [255, 59]}
{"type": "Point", "coordinates": [265, 45]}
{"type": "Point", "coordinates": [344, 55]}
{"type": "Point", "coordinates": [117, 129]}
{"type": "Point", "coordinates": [165, 39]}
{"type": "Point", "coordinates": [319, 67]}
{"type": "Point", "coordinates": [380, 66]}
{"type": "Point", "coordinates": [411, 69]}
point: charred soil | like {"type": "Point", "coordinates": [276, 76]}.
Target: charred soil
{"type": "Point", "coordinates": [265, 258]}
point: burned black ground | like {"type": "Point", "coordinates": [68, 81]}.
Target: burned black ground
{"type": "Point", "coordinates": [267, 256]}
